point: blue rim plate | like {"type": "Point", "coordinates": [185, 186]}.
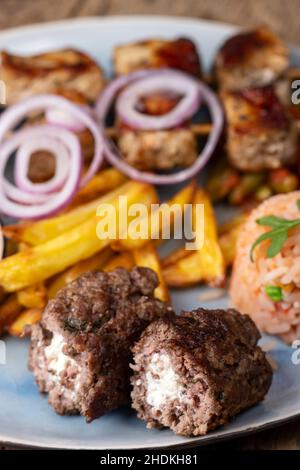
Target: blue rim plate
{"type": "Point", "coordinates": [25, 417]}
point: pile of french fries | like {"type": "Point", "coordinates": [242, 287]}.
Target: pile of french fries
{"type": "Point", "coordinates": [55, 251]}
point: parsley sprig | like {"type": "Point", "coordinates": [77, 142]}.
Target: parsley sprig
{"type": "Point", "coordinates": [277, 236]}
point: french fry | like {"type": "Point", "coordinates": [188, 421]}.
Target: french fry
{"type": "Point", "coordinates": [34, 296]}
{"type": "Point", "coordinates": [27, 317]}
{"type": "Point", "coordinates": [205, 263]}
{"type": "Point", "coordinates": [151, 226]}
{"type": "Point", "coordinates": [228, 243]}
{"type": "Point", "coordinates": [175, 256]}
{"type": "Point", "coordinates": [9, 310]}
{"type": "Point", "coordinates": [96, 261]}
{"type": "Point", "coordinates": [211, 261]}
{"type": "Point", "coordinates": [122, 260]}
{"type": "Point", "coordinates": [147, 257]}
{"type": "Point", "coordinates": [103, 182]}
{"type": "Point", "coordinates": [43, 261]}
{"type": "Point", "coordinates": [185, 272]}
{"type": "Point", "coordinates": [40, 232]}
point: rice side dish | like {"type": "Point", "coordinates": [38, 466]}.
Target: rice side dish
{"type": "Point", "coordinates": [268, 288]}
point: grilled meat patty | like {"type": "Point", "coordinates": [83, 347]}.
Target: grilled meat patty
{"type": "Point", "coordinates": [194, 372]}
{"type": "Point", "coordinates": [80, 351]}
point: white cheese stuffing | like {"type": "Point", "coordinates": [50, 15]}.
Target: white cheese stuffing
{"type": "Point", "coordinates": [162, 381]}
{"type": "Point", "coordinates": [57, 360]}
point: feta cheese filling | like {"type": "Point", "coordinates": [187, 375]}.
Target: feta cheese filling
{"type": "Point", "coordinates": [57, 362]}
{"type": "Point", "coordinates": [162, 381]}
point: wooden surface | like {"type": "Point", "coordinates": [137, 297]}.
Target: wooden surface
{"type": "Point", "coordinates": [282, 16]}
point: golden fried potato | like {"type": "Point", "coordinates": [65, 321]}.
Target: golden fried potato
{"type": "Point", "coordinates": [121, 260]}
{"type": "Point", "coordinates": [205, 263]}
{"type": "Point", "coordinates": [152, 226]}
{"type": "Point", "coordinates": [26, 318]}
{"type": "Point", "coordinates": [147, 257]}
{"type": "Point", "coordinates": [9, 310]}
{"type": "Point", "coordinates": [47, 229]}
{"type": "Point", "coordinates": [103, 182]}
{"type": "Point", "coordinates": [34, 296]}
{"type": "Point", "coordinates": [40, 262]}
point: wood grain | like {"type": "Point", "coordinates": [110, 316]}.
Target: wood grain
{"type": "Point", "coordinates": [277, 14]}
{"type": "Point", "coordinates": [280, 16]}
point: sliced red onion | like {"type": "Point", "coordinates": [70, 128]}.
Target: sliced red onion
{"type": "Point", "coordinates": [55, 201]}
{"type": "Point", "coordinates": [22, 162]}
{"type": "Point", "coordinates": [106, 98]}
{"type": "Point", "coordinates": [18, 195]}
{"type": "Point", "coordinates": [13, 115]}
{"type": "Point", "coordinates": [61, 118]}
{"type": "Point", "coordinates": [1, 243]}
{"type": "Point", "coordinates": [112, 154]}
{"type": "Point", "coordinates": [173, 81]}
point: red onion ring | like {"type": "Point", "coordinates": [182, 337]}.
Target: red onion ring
{"type": "Point", "coordinates": [107, 96]}
{"type": "Point", "coordinates": [61, 118]}
{"type": "Point", "coordinates": [57, 200]}
{"type": "Point", "coordinates": [112, 154]}
{"type": "Point", "coordinates": [174, 81]}
{"type": "Point", "coordinates": [1, 243]}
{"type": "Point", "coordinates": [13, 115]}
{"type": "Point", "coordinates": [17, 195]}
{"type": "Point", "coordinates": [62, 164]}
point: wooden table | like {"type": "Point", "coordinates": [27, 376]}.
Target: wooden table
{"type": "Point", "coordinates": [281, 16]}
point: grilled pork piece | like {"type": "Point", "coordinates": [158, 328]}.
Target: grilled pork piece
{"type": "Point", "coordinates": [260, 132]}
{"type": "Point", "coordinates": [179, 54]}
{"type": "Point", "coordinates": [194, 372]}
{"type": "Point", "coordinates": [157, 150]}
{"type": "Point", "coordinates": [250, 59]}
{"type": "Point", "coordinates": [44, 73]}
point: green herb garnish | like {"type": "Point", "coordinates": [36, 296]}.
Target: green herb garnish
{"type": "Point", "coordinates": [298, 203]}
{"type": "Point", "coordinates": [274, 292]}
{"type": "Point", "coordinates": [277, 236]}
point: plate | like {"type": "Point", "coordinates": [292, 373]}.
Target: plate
{"type": "Point", "coordinates": [25, 417]}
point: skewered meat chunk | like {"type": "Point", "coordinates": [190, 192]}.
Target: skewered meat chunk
{"type": "Point", "coordinates": [44, 73]}
{"type": "Point", "coordinates": [251, 59]}
{"type": "Point", "coordinates": [157, 150]}
{"type": "Point", "coordinates": [192, 373]}
{"type": "Point", "coordinates": [260, 133]}
{"type": "Point", "coordinates": [80, 351]}
{"type": "Point", "coordinates": [179, 54]}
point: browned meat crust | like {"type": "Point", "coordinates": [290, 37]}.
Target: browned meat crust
{"type": "Point", "coordinates": [157, 150]}
{"type": "Point", "coordinates": [80, 351]}
{"type": "Point", "coordinates": [44, 73]}
{"type": "Point", "coordinates": [179, 54]}
{"type": "Point", "coordinates": [249, 59]}
{"type": "Point", "coordinates": [261, 134]}
{"type": "Point", "coordinates": [194, 372]}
